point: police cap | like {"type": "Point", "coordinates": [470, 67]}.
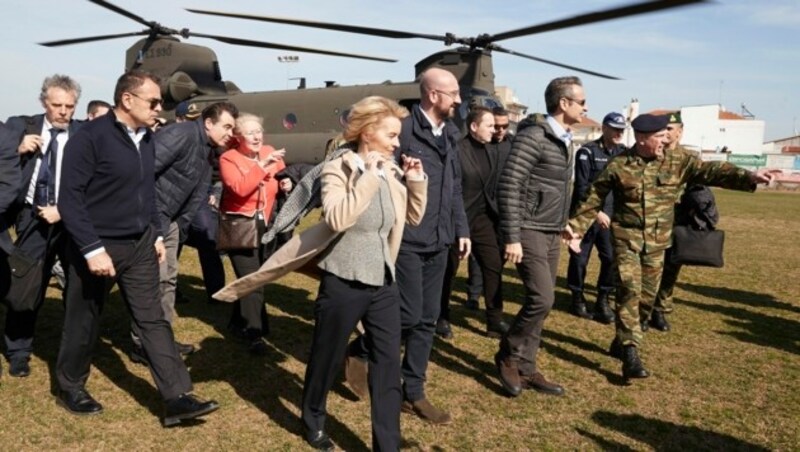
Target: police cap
{"type": "Point", "coordinates": [187, 110]}
{"type": "Point", "coordinates": [614, 120]}
{"type": "Point", "coordinates": [648, 123]}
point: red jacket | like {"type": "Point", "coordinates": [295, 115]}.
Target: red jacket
{"type": "Point", "coordinates": [246, 186]}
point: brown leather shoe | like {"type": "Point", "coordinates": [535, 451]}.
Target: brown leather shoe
{"type": "Point", "coordinates": [508, 371]}
{"type": "Point", "coordinates": [355, 375]}
{"type": "Point", "coordinates": [426, 411]}
{"type": "Point", "coordinates": [538, 383]}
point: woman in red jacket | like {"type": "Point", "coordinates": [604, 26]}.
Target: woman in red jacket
{"type": "Point", "coordinates": [250, 188]}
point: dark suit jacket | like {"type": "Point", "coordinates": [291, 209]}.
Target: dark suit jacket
{"type": "Point", "coordinates": [9, 184]}
{"type": "Point", "coordinates": [475, 184]}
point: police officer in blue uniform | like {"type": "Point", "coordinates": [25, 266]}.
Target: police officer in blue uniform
{"type": "Point", "coordinates": [590, 160]}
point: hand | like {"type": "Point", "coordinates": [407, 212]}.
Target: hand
{"type": "Point", "coordinates": [161, 251]}
{"type": "Point", "coordinates": [464, 248]}
{"type": "Point", "coordinates": [603, 220]}
{"type": "Point", "coordinates": [374, 161]}
{"type": "Point", "coordinates": [212, 200]}
{"type": "Point", "coordinates": [764, 175]}
{"type": "Point", "coordinates": [412, 168]}
{"type": "Point", "coordinates": [273, 157]}
{"type": "Point", "coordinates": [286, 185]}
{"type": "Point", "coordinates": [31, 143]}
{"type": "Point", "coordinates": [101, 265]}
{"type": "Point", "coordinates": [514, 252]}
{"type": "Point", "coordinates": [49, 214]}
{"type": "Point", "coordinates": [567, 234]}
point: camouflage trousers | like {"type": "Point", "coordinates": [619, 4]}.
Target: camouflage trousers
{"type": "Point", "coordinates": [669, 277]}
{"type": "Point", "coordinates": [639, 276]}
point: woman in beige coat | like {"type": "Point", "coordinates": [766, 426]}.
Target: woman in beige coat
{"type": "Point", "coordinates": [366, 201]}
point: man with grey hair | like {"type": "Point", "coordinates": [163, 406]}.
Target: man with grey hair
{"type": "Point", "coordinates": [533, 195]}
{"type": "Point", "coordinates": [41, 139]}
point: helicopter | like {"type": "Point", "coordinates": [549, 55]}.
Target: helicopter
{"type": "Point", "coordinates": [306, 120]}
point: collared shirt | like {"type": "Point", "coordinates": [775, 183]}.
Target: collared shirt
{"type": "Point", "coordinates": [436, 129]}
{"type": "Point", "coordinates": [362, 166]}
{"type": "Point", "coordinates": [62, 138]}
{"type": "Point", "coordinates": [135, 135]}
{"type": "Point", "coordinates": [560, 131]}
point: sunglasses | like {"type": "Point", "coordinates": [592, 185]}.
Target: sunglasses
{"type": "Point", "coordinates": [501, 126]}
{"type": "Point", "coordinates": [581, 102]}
{"type": "Point", "coordinates": [153, 102]}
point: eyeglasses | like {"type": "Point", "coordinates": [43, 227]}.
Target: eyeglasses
{"type": "Point", "coordinates": [153, 102]}
{"type": "Point", "coordinates": [581, 102]}
{"type": "Point", "coordinates": [501, 126]}
{"type": "Point", "coordinates": [451, 94]}
{"type": "Point", "coordinates": [253, 133]}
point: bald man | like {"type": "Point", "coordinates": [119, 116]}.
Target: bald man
{"type": "Point", "coordinates": [429, 135]}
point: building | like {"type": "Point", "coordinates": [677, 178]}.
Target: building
{"type": "Point", "coordinates": [516, 109]}
{"type": "Point", "coordinates": [711, 129]}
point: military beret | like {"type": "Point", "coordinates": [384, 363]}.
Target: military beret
{"type": "Point", "coordinates": [648, 123]}
{"type": "Point", "coordinates": [674, 118]}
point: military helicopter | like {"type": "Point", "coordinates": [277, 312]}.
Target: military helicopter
{"type": "Point", "coordinates": [306, 120]}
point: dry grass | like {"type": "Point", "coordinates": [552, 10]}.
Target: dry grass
{"type": "Point", "coordinates": [723, 379]}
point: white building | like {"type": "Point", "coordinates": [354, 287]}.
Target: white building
{"type": "Point", "coordinates": [710, 128]}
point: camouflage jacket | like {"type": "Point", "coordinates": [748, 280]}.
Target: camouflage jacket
{"type": "Point", "coordinates": [645, 193]}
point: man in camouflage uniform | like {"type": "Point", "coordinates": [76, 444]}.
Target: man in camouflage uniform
{"type": "Point", "coordinates": [645, 183]}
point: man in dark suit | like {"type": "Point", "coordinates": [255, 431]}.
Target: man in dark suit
{"type": "Point", "coordinates": [40, 144]}
{"type": "Point", "coordinates": [9, 184]}
{"type": "Point", "coordinates": [481, 163]}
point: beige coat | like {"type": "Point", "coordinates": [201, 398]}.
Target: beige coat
{"type": "Point", "coordinates": [342, 203]}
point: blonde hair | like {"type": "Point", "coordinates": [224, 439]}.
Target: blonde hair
{"type": "Point", "coordinates": [245, 118]}
{"type": "Point", "coordinates": [367, 113]}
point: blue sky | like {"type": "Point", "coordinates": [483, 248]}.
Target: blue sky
{"type": "Point", "coordinates": [728, 51]}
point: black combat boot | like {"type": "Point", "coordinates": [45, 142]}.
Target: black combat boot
{"type": "Point", "coordinates": [632, 366]}
{"type": "Point", "coordinates": [578, 306]}
{"type": "Point", "coordinates": [615, 351]}
{"type": "Point", "coordinates": [659, 321]}
{"type": "Point", "coordinates": [602, 312]}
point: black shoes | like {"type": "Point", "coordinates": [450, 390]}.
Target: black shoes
{"type": "Point", "coordinates": [632, 366]}
{"type": "Point", "coordinates": [258, 347]}
{"type": "Point", "coordinates": [472, 304]}
{"type": "Point", "coordinates": [19, 367]}
{"type": "Point", "coordinates": [644, 325]}
{"type": "Point", "coordinates": [79, 402]}
{"type": "Point", "coordinates": [186, 407]}
{"type": "Point", "coordinates": [602, 311]}
{"type": "Point", "coordinates": [443, 329]}
{"type": "Point", "coordinates": [320, 440]}
{"type": "Point", "coordinates": [578, 306]}
{"type": "Point", "coordinates": [659, 321]}
{"type": "Point", "coordinates": [497, 330]}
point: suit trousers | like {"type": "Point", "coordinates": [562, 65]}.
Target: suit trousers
{"type": "Point", "coordinates": [20, 325]}
{"type": "Point", "coordinates": [339, 306]}
{"type": "Point", "coordinates": [595, 237]}
{"type": "Point", "coordinates": [538, 269]}
{"type": "Point", "coordinates": [202, 236]}
{"type": "Point", "coordinates": [136, 268]}
{"type": "Point", "coordinates": [250, 312]}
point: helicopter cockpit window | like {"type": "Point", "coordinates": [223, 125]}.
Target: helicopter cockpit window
{"type": "Point", "coordinates": [289, 121]}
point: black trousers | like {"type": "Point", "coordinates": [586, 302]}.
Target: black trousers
{"type": "Point", "coordinates": [486, 250]}
{"type": "Point", "coordinates": [32, 239]}
{"type": "Point", "coordinates": [250, 312]}
{"type": "Point", "coordinates": [339, 306]}
{"type": "Point", "coordinates": [595, 237]}
{"type": "Point", "coordinates": [538, 269]}
{"type": "Point", "coordinates": [202, 235]}
{"type": "Point", "coordinates": [136, 268]}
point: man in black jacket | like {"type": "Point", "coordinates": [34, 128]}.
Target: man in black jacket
{"type": "Point", "coordinates": [109, 210]}
{"type": "Point", "coordinates": [183, 174]}
{"type": "Point", "coordinates": [9, 184]}
{"type": "Point", "coordinates": [533, 195]}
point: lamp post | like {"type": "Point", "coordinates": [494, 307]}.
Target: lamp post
{"type": "Point", "coordinates": [288, 59]}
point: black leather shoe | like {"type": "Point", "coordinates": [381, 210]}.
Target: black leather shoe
{"type": "Point", "coordinates": [258, 347]}
{"type": "Point", "coordinates": [186, 407]}
{"type": "Point", "coordinates": [659, 321]}
{"type": "Point", "coordinates": [472, 304]}
{"type": "Point", "coordinates": [185, 349]}
{"type": "Point", "coordinates": [443, 329]}
{"type": "Point", "coordinates": [602, 311]}
{"type": "Point", "coordinates": [138, 356]}
{"type": "Point", "coordinates": [497, 330]}
{"type": "Point", "coordinates": [78, 401]}
{"type": "Point", "coordinates": [19, 367]}
{"type": "Point", "coordinates": [320, 440]}
{"type": "Point", "coordinates": [632, 366]}
{"type": "Point", "coordinates": [578, 306]}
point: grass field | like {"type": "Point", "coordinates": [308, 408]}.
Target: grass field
{"type": "Point", "coordinates": [724, 379]}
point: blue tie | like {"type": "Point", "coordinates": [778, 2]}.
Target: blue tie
{"type": "Point", "coordinates": [45, 193]}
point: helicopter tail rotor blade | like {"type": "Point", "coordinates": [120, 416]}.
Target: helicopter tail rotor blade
{"type": "Point", "coordinates": [497, 48]}
{"type": "Point", "coordinates": [324, 25]}
{"type": "Point", "coordinates": [645, 7]}
{"type": "Point", "coordinates": [66, 42]}
{"type": "Point", "coordinates": [121, 11]}
{"type": "Point", "coordinates": [272, 45]}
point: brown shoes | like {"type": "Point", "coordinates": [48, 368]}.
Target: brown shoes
{"type": "Point", "coordinates": [508, 371]}
{"type": "Point", "coordinates": [427, 412]}
{"type": "Point", "coordinates": [538, 383]}
{"type": "Point", "coordinates": [355, 375]}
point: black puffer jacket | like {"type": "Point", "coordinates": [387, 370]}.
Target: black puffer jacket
{"type": "Point", "coordinates": [534, 187]}
{"type": "Point", "coordinates": [183, 173]}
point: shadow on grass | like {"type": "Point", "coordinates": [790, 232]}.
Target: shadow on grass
{"type": "Point", "coordinates": [745, 297]}
{"type": "Point", "coordinates": [461, 362]}
{"type": "Point", "coordinates": [562, 353]}
{"type": "Point", "coordinates": [663, 435]}
{"type": "Point", "coordinates": [759, 329]}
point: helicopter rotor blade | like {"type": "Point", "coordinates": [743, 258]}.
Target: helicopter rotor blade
{"type": "Point", "coordinates": [121, 11]}
{"type": "Point", "coordinates": [325, 25]}
{"type": "Point", "coordinates": [496, 48]}
{"type": "Point", "coordinates": [272, 45]}
{"type": "Point", "coordinates": [597, 16]}
{"type": "Point", "coordinates": [66, 42]}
